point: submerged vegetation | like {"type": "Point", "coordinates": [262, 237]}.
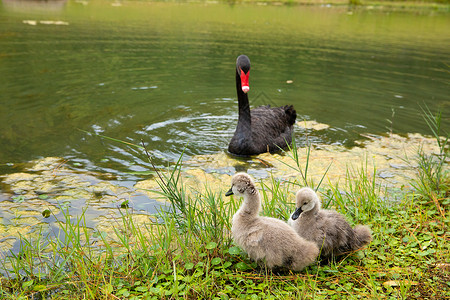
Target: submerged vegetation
{"type": "Point", "coordinates": [187, 251]}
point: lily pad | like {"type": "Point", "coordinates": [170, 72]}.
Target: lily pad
{"type": "Point", "coordinates": [46, 213]}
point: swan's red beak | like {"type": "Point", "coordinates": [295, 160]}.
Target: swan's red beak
{"type": "Point", "coordinates": [244, 81]}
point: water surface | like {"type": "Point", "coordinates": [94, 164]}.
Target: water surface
{"type": "Point", "coordinates": [164, 73]}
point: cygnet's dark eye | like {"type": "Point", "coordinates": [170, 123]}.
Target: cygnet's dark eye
{"type": "Point", "coordinates": [241, 190]}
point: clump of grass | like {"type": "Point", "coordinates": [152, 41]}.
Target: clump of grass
{"type": "Point", "coordinates": [202, 216]}
{"type": "Point", "coordinates": [304, 180]}
{"type": "Point", "coordinates": [433, 180]}
{"type": "Point", "coordinates": [360, 196]}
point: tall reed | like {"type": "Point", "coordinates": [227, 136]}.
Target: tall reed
{"type": "Point", "coordinates": [433, 179]}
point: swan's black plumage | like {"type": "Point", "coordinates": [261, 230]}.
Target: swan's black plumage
{"type": "Point", "coordinates": [263, 128]}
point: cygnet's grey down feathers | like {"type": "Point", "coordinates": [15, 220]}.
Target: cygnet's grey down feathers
{"type": "Point", "coordinates": [328, 229]}
{"type": "Point", "coordinates": [264, 238]}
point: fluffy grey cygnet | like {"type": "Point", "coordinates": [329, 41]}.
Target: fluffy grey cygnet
{"type": "Point", "coordinates": [264, 238]}
{"type": "Point", "coordinates": [328, 229]}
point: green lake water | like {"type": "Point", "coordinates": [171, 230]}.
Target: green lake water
{"type": "Point", "coordinates": [164, 73]}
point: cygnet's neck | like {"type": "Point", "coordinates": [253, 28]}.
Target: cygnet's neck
{"type": "Point", "coordinates": [251, 205]}
{"type": "Point", "coordinates": [313, 211]}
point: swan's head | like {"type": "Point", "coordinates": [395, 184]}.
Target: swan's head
{"type": "Point", "coordinates": [306, 200]}
{"type": "Point", "coordinates": [241, 184]}
{"type": "Point", "coordinates": [243, 70]}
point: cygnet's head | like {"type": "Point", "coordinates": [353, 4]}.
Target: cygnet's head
{"type": "Point", "coordinates": [241, 184]}
{"type": "Point", "coordinates": [306, 200]}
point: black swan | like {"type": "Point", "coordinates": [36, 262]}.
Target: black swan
{"type": "Point", "coordinates": [263, 129]}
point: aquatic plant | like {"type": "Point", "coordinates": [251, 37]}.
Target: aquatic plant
{"type": "Point", "coordinates": [433, 180]}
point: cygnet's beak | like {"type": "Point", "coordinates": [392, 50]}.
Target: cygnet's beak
{"type": "Point", "coordinates": [296, 213]}
{"type": "Point", "coordinates": [230, 192]}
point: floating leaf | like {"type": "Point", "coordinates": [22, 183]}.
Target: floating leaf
{"type": "Point", "coordinates": [43, 196]}
{"type": "Point", "coordinates": [18, 199]}
{"type": "Point", "coordinates": [46, 213]}
{"type": "Point", "coordinates": [211, 245]}
{"type": "Point", "coordinates": [188, 266]}
{"type": "Point", "coordinates": [216, 261]}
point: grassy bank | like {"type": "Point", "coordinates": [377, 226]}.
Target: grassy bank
{"type": "Point", "coordinates": [187, 251]}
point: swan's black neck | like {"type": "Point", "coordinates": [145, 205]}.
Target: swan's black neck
{"type": "Point", "coordinates": [244, 122]}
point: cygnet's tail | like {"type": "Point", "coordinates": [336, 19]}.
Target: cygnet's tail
{"type": "Point", "coordinates": [363, 236]}
{"type": "Point", "coordinates": [305, 255]}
